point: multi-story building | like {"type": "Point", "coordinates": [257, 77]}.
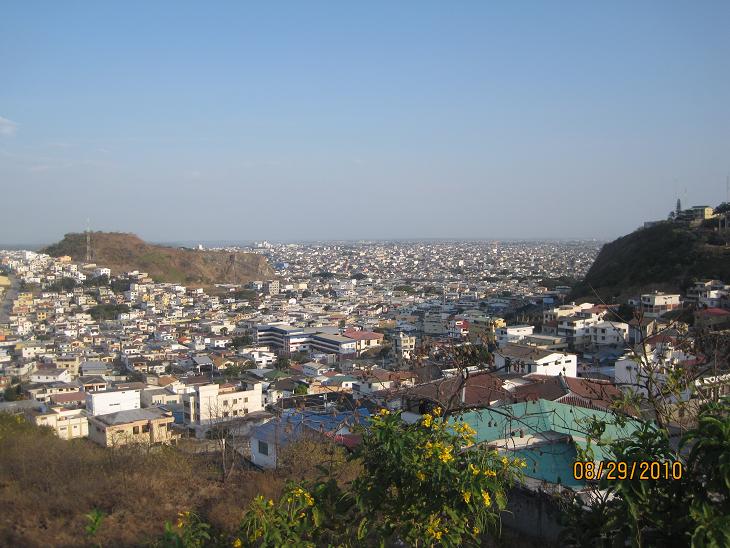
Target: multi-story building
{"type": "Point", "coordinates": [655, 304]}
{"type": "Point", "coordinates": [137, 426]}
{"type": "Point", "coordinates": [211, 404]}
{"type": "Point", "coordinates": [513, 333]}
{"type": "Point", "coordinates": [287, 340]}
{"type": "Point", "coordinates": [66, 423]}
{"type": "Point", "coordinates": [404, 345]}
{"type": "Point", "coordinates": [609, 334]}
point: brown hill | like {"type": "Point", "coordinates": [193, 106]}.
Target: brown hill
{"type": "Point", "coordinates": [123, 252]}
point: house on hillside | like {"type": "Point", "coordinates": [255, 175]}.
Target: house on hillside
{"type": "Point", "coordinates": [270, 439]}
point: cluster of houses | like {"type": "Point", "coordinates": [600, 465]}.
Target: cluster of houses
{"type": "Point", "coordinates": [121, 359]}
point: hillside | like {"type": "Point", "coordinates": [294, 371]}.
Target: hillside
{"type": "Point", "coordinates": [666, 257]}
{"type": "Point", "coordinates": [122, 252]}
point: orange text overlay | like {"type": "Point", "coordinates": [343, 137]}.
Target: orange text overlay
{"type": "Point", "coordinates": [619, 470]}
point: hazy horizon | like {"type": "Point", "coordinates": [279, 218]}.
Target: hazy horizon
{"type": "Point", "coordinates": [379, 121]}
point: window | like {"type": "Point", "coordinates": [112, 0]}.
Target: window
{"type": "Point", "coordinates": [145, 428]}
{"type": "Point", "coordinates": [263, 447]}
{"type": "Point", "coordinates": [135, 430]}
{"type": "Point", "coordinates": [245, 400]}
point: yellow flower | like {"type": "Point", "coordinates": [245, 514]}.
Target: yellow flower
{"type": "Point", "coordinates": [437, 535]}
{"type": "Point", "coordinates": [490, 473]}
{"type": "Point", "coordinates": [383, 412]}
{"type": "Point", "coordinates": [476, 530]}
{"type": "Point", "coordinates": [309, 500]}
{"type": "Point", "coordinates": [420, 475]}
{"type": "Point", "coordinates": [427, 420]}
{"type": "Point", "coordinates": [467, 496]}
{"type": "Point", "coordinates": [237, 543]}
{"type": "Point", "coordinates": [301, 515]}
{"type": "Point", "coordinates": [271, 502]}
{"type": "Point", "coordinates": [437, 411]}
{"type": "Point", "coordinates": [505, 461]}
{"type": "Point", "coordinates": [474, 469]}
{"type": "Point", "coordinates": [486, 498]}
{"type": "Point", "coordinates": [523, 464]}
{"type": "Point", "coordinates": [446, 455]}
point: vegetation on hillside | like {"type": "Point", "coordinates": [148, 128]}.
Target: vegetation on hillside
{"type": "Point", "coordinates": [665, 256]}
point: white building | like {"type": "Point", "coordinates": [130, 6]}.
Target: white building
{"type": "Point", "coordinates": [515, 358]}
{"type": "Point", "coordinates": [66, 423]}
{"type": "Point", "coordinates": [111, 401]}
{"type": "Point", "coordinates": [651, 369]}
{"type": "Point", "coordinates": [210, 404]}
{"type": "Point", "coordinates": [315, 369]}
{"type": "Point", "coordinates": [513, 333]}
{"type": "Point", "coordinates": [609, 333]}
{"type": "Point", "coordinates": [655, 304]}
{"type": "Point", "coordinates": [261, 358]}
{"type": "Point", "coordinates": [51, 375]}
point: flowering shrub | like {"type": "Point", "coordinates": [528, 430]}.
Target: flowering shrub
{"type": "Point", "coordinates": [429, 484]}
{"type": "Point", "coordinates": [188, 532]}
{"type": "Point", "coordinates": [424, 484]}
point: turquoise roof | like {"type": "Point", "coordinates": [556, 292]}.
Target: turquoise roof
{"type": "Point", "coordinates": [539, 416]}
{"type": "Point", "coordinates": [552, 460]}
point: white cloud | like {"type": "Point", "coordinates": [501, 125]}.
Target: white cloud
{"type": "Point", "coordinates": [7, 127]}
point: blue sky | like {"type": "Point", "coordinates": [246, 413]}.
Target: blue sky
{"type": "Point", "coordinates": [309, 120]}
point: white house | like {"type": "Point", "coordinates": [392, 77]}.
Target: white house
{"type": "Point", "coordinates": [513, 333]}
{"type": "Point", "coordinates": [515, 358]}
{"type": "Point", "coordinates": [51, 375]}
{"type": "Point", "coordinates": [261, 358]}
{"type": "Point", "coordinates": [315, 369]}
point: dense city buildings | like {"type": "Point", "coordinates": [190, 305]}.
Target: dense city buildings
{"type": "Point", "coordinates": [340, 331]}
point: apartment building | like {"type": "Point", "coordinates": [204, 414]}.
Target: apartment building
{"type": "Point", "coordinates": [609, 334]}
{"type": "Point", "coordinates": [655, 304]}
{"type": "Point", "coordinates": [210, 404]}
{"type": "Point", "coordinates": [404, 345]}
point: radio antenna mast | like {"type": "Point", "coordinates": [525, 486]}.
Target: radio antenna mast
{"type": "Point", "coordinates": [88, 242]}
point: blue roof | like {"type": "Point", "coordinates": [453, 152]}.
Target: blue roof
{"type": "Point", "coordinates": [293, 423]}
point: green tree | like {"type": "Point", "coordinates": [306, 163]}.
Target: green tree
{"type": "Point", "coordinates": [420, 486]}
{"type": "Point", "coordinates": [693, 509]}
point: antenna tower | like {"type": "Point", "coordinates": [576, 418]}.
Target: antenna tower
{"type": "Point", "coordinates": [88, 242]}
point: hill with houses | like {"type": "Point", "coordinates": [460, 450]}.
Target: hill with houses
{"type": "Point", "coordinates": [665, 256]}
